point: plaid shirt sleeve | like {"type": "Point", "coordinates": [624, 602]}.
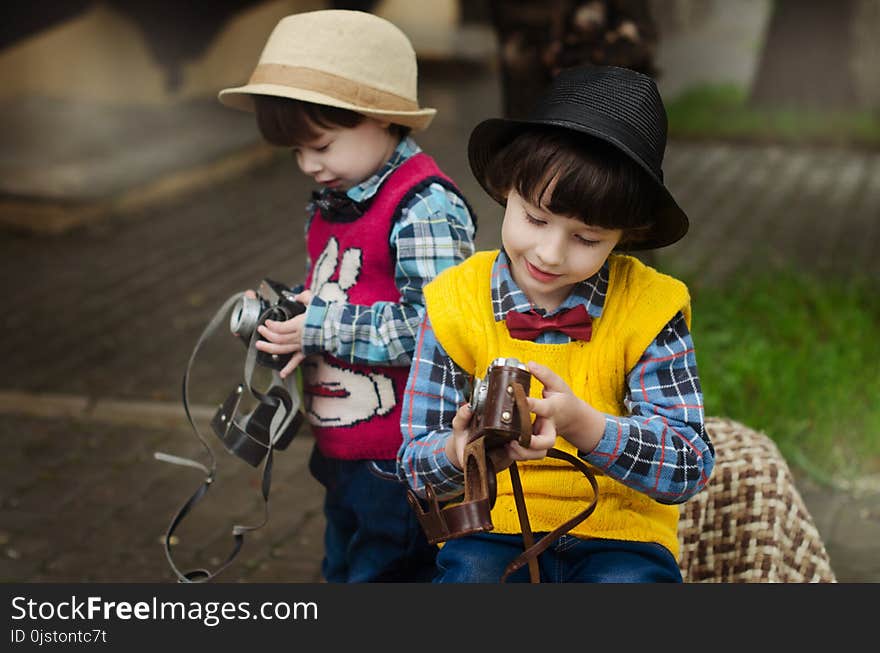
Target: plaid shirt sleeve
{"type": "Point", "coordinates": [435, 389]}
{"type": "Point", "coordinates": [435, 231]}
{"type": "Point", "coordinates": [661, 448]}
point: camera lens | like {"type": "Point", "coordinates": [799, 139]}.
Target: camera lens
{"type": "Point", "coordinates": [244, 317]}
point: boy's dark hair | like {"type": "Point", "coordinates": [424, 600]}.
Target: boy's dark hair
{"type": "Point", "coordinates": [288, 123]}
{"type": "Point", "coordinates": [592, 180]}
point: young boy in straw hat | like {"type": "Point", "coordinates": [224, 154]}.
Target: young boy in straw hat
{"type": "Point", "coordinates": [339, 88]}
{"type": "Point", "coordinates": [606, 340]}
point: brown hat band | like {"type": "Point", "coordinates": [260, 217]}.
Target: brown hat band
{"type": "Point", "coordinates": [339, 88]}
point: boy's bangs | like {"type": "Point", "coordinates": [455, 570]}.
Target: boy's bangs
{"type": "Point", "coordinates": [288, 123]}
{"type": "Point", "coordinates": [611, 197]}
{"type": "Point", "coordinates": [579, 177]}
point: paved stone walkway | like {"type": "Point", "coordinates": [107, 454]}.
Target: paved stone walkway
{"type": "Point", "coordinates": [85, 501]}
{"type": "Point", "coordinates": [816, 209]}
{"type": "Point", "coordinates": [110, 312]}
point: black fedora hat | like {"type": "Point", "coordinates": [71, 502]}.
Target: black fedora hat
{"type": "Point", "coordinates": [617, 105]}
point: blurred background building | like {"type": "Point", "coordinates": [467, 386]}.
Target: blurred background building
{"type": "Point", "coordinates": [85, 76]}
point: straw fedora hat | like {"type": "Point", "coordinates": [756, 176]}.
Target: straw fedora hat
{"type": "Point", "coordinates": [347, 59]}
{"type": "Point", "coordinates": [617, 105]}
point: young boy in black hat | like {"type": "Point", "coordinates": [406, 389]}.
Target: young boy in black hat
{"type": "Point", "coordinates": [607, 340]}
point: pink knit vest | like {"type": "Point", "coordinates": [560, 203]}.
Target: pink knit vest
{"type": "Point", "coordinates": [354, 409]}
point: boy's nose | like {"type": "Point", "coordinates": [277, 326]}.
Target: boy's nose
{"type": "Point", "coordinates": [309, 164]}
{"type": "Point", "coordinates": [550, 251]}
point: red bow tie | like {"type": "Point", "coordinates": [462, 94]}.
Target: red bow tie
{"type": "Point", "coordinates": [574, 322]}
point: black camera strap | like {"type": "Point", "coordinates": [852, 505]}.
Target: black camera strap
{"type": "Point", "coordinates": [284, 414]}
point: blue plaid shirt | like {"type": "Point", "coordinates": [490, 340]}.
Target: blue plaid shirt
{"type": "Point", "coordinates": [661, 448]}
{"type": "Point", "coordinates": [435, 231]}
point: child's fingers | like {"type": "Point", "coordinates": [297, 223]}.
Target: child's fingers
{"type": "Point", "coordinates": [551, 381]}
{"type": "Point", "coordinates": [462, 417]}
{"type": "Point", "coordinates": [305, 297]}
{"type": "Point", "coordinates": [540, 407]}
{"type": "Point", "coordinates": [292, 325]}
{"type": "Point", "coordinates": [280, 337]}
{"type": "Point", "coordinates": [276, 348]}
{"type": "Point", "coordinates": [544, 426]}
{"type": "Point", "coordinates": [536, 450]}
{"type": "Point", "coordinates": [292, 364]}
{"type": "Point", "coordinates": [542, 441]}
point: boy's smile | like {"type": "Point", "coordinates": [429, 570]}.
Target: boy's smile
{"type": "Point", "coordinates": [329, 183]}
{"type": "Point", "coordinates": [550, 253]}
{"type": "Point", "coordinates": [343, 157]}
{"type": "Point", "coordinates": [540, 275]}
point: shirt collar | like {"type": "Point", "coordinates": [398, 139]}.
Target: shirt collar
{"type": "Point", "coordinates": [507, 296]}
{"type": "Point", "coordinates": [363, 191]}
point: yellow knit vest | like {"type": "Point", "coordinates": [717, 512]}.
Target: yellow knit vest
{"type": "Point", "coordinates": [639, 303]}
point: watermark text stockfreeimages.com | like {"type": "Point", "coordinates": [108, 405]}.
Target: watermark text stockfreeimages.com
{"type": "Point", "coordinates": [208, 613]}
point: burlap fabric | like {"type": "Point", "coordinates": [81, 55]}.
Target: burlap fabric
{"type": "Point", "coordinates": [750, 524]}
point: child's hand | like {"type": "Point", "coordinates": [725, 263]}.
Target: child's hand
{"type": "Point", "coordinates": [285, 337]}
{"type": "Point", "coordinates": [304, 297]}
{"type": "Point", "coordinates": [460, 433]}
{"type": "Point", "coordinates": [571, 417]}
{"type": "Point", "coordinates": [543, 438]}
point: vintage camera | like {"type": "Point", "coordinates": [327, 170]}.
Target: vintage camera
{"type": "Point", "coordinates": [501, 413]}
{"type": "Point", "coordinates": [273, 302]}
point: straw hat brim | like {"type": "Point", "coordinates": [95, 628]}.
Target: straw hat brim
{"type": "Point", "coordinates": [241, 98]}
{"type": "Point", "coordinates": [670, 223]}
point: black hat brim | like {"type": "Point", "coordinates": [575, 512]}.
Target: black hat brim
{"type": "Point", "coordinates": [669, 222]}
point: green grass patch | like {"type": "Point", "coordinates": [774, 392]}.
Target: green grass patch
{"type": "Point", "coordinates": [721, 112]}
{"type": "Point", "coordinates": [799, 359]}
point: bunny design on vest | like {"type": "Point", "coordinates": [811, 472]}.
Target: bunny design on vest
{"type": "Point", "coordinates": [354, 406]}
{"type": "Point", "coordinates": [338, 394]}
{"type": "Point", "coordinates": [343, 397]}
{"type": "Point", "coordinates": [327, 263]}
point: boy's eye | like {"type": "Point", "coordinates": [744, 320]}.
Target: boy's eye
{"type": "Point", "coordinates": [533, 220]}
{"type": "Point", "coordinates": [313, 148]}
{"type": "Point", "coordinates": [585, 241]}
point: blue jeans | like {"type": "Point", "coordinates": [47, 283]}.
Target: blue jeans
{"type": "Point", "coordinates": [372, 534]}
{"type": "Point", "coordinates": [482, 558]}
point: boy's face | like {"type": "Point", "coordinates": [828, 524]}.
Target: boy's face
{"type": "Point", "coordinates": [550, 253]}
{"type": "Point", "coordinates": [342, 157]}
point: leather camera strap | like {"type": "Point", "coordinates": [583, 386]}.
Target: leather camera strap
{"type": "Point", "coordinates": [278, 426]}
{"type": "Point", "coordinates": [525, 438]}
{"type": "Point", "coordinates": [525, 527]}
{"type": "Point", "coordinates": [531, 553]}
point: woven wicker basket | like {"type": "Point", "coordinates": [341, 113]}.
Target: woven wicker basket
{"type": "Point", "coordinates": [750, 524]}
